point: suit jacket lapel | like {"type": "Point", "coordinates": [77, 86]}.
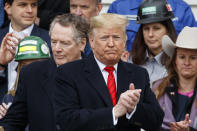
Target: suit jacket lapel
{"type": "Point", "coordinates": [47, 78]}
{"type": "Point", "coordinates": [124, 78]}
{"type": "Point", "coordinates": [95, 77]}
{"type": "Point", "coordinates": [35, 31]}
{"type": "Point", "coordinates": [3, 31]}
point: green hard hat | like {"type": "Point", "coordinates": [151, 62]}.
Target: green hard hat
{"type": "Point", "coordinates": [32, 47]}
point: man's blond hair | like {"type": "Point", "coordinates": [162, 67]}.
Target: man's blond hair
{"type": "Point", "coordinates": [108, 20]}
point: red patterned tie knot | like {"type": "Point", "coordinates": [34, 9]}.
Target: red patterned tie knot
{"type": "Point", "coordinates": [109, 69]}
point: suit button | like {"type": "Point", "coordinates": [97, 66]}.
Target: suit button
{"type": "Point", "coordinates": [58, 127]}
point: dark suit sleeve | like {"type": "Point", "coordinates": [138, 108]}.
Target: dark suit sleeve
{"type": "Point", "coordinates": [16, 117]}
{"type": "Point", "coordinates": [148, 113]}
{"type": "Point", "coordinates": [69, 114]}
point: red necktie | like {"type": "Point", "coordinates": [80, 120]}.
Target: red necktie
{"type": "Point", "coordinates": [111, 84]}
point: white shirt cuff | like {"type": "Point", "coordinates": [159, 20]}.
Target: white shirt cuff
{"type": "Point", "coordinates": [115, 121]}
{"type": "Point", "coordinates": [128, 116]}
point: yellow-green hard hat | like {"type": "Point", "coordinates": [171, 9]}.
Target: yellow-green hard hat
{"type": "Point", "coordinates": [32, 47]}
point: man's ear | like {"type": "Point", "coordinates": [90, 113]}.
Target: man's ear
{"type": "Point", "coordinates": [82, 44]}
{"type": "Point", "coordinates": [99, 8]}
{"type": "Point", "coordinates": [7, 8]}
{"type": "Point", "coordinates": [125, 56]}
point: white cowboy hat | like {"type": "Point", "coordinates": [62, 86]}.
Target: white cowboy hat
{"type": "Point", "coordinates": [186, 39]}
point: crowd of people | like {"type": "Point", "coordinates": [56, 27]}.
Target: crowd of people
{"type": "Point", "coordinates": [66, 67]}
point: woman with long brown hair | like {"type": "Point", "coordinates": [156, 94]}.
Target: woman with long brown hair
{"type": "Point", "coordinates": [155, 19]}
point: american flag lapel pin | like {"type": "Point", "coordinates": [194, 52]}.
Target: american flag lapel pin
{"type": "Point", "coordinates": [172, 93]}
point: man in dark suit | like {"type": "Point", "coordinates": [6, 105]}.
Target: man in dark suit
{"type": "Point", "coordinates": [22, 14]}
{"type": "Point", "coordinates": [88, 98]}
{"type": "Point", "coordinates": [33, 103]}
{"type": "Point", "coordinates": [23, 18]}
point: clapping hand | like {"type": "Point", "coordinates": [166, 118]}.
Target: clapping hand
{"type": "Point", "coordinates": [181, 125]}
{"type": "Point", "coordinates": [127, 101]}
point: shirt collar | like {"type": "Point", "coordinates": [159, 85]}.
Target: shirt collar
{"type": "Point", "coordinates": [102, 66]}
{"type": "Point", "coordinates": [27, 30]}
{"type": "Point", "coordinates": [157, 58]}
